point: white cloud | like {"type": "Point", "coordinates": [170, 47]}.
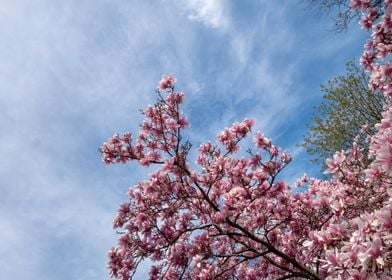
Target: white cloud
{"type": "Point", "coordinates": [212, 13]}
{"type": "Point", "coordinates": [241, 47]}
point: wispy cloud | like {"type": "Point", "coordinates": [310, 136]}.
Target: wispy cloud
{"type": "Point", "coordinates": [212, 13]}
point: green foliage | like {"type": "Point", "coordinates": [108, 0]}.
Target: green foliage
{"type": "Point", "coordinates": [347, 105]}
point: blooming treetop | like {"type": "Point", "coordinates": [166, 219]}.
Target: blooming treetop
{"type": "Point", "coordinates": [232, 218]}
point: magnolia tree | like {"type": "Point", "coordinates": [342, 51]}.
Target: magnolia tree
{"type": "Point", "coordinates": [230, 217]}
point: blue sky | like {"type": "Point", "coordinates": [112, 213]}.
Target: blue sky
{"type": "Point", "coordinates": [74, 72]}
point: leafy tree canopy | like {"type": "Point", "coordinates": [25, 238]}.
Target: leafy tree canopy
{"type": "Point", "coordinates": [347, 105]}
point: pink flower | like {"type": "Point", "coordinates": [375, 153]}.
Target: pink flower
{"type": "Point", "coordinates": [334, 164]}
{"type": "Point", "coordinates": [367, 60]}
{"type": "Point", "coordinates": [304, 179]}
{"type": "Point", "coordinates": [261, 141]}
{"type": "Point", "coordinates": [237, 192]}
{"type": "Point", "coordinates": [332, 259]}
{"type": "Point", "coordinates": [384, 158]}
{"type": "Point", "coordinates": [286, 158]}
{"type": "Point", "coordinates": [167, 82]}
{"type": "Point", "coordinates": [373, 252]}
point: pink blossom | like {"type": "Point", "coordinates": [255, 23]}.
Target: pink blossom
{"type": "Point", "coordinates": [261, 141]}
{"type": "Point", "coordinates": [373, 252]}
{"type": "Point", "coordinates": [367, 60]}
{"type": "Point", "coordinates": [304, 179]}
{"type": "Point", "coordinates": [384, 158]}
{"type": "Point", "coordinates": [167, 82]}
{"type": "Point", "coordinates": [334, 164]}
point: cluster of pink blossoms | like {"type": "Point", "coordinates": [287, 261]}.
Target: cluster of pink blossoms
{"type": "Point", "coordinates": [381, 146]}
{"type": "Point", "coordinates": [158, 133]}
{"type": "Point", "coordinates": [232, 218]}
{"type": "Point", "coordinates": [364, 249]}
{"type": "Point", "coordinates": [378, 19]}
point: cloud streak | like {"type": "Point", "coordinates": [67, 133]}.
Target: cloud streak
{"type": "Point", "coordinates": [212, 13]}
